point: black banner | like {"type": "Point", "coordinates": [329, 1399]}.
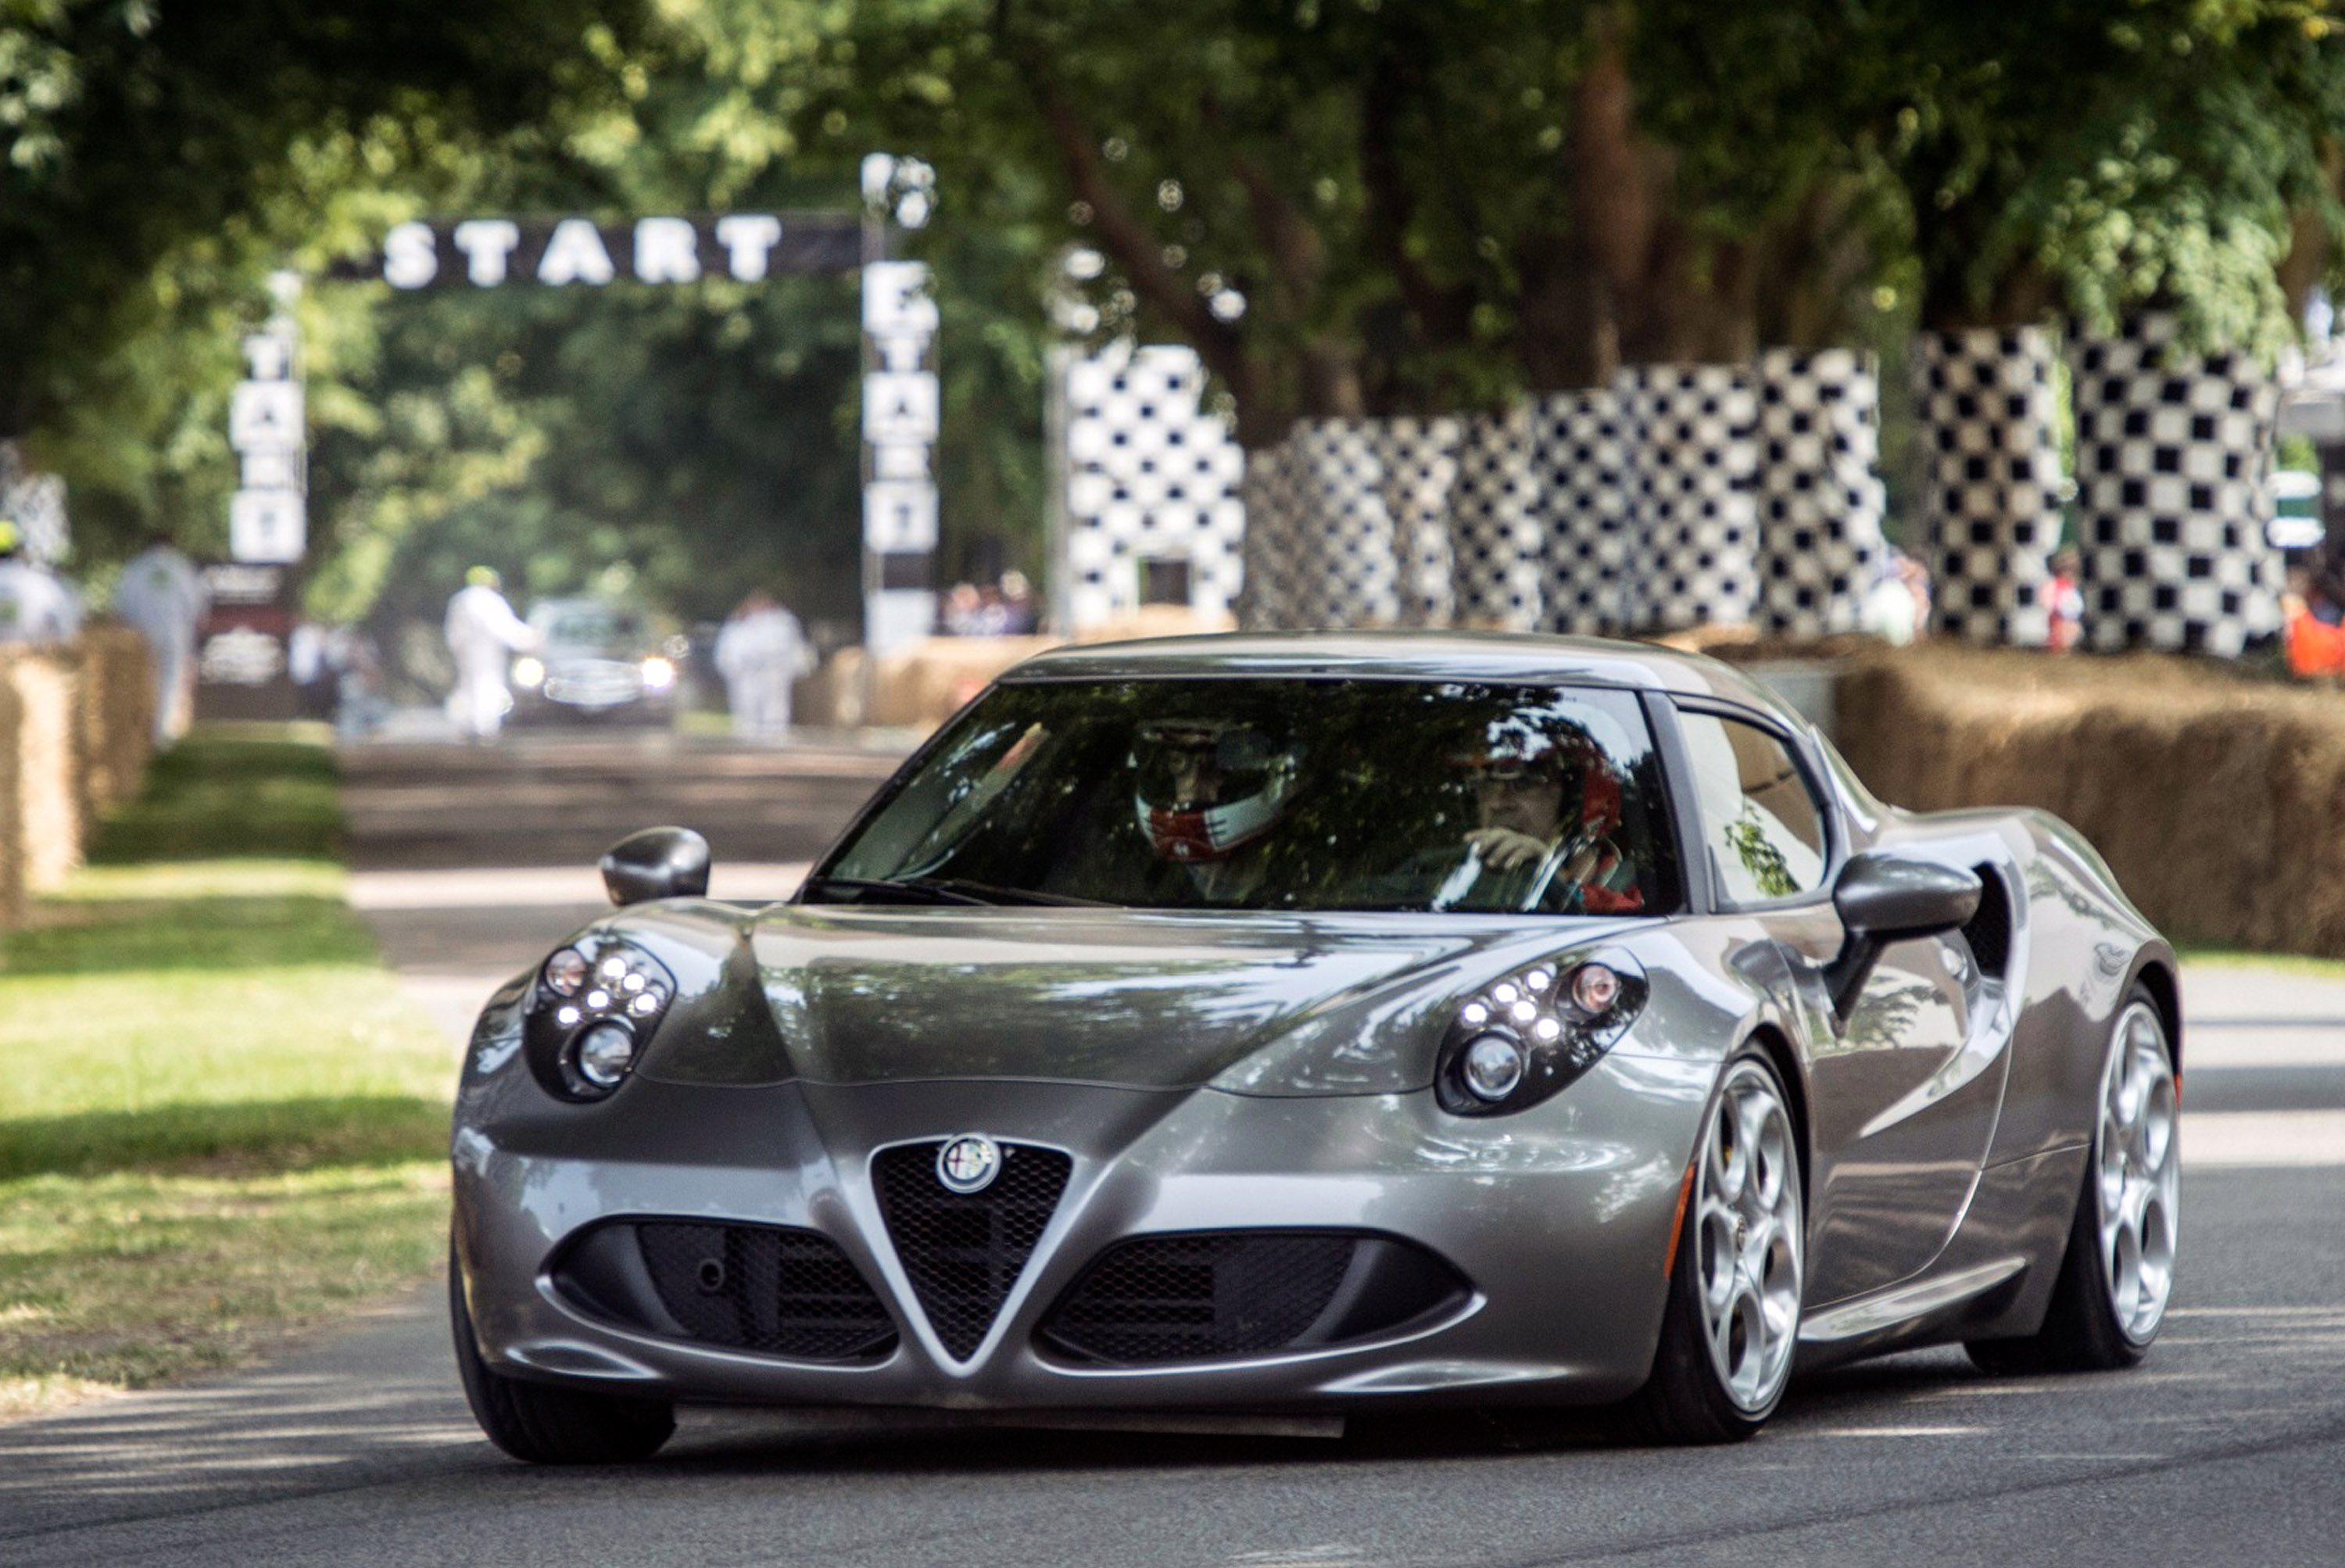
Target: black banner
{"type": "Point", "coordinates": [490, 252]}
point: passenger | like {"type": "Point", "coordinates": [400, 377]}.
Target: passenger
{"type": "Point", "coordinates": [36, 606]}
{"type": "Point", "coordinates": [1545, 814]}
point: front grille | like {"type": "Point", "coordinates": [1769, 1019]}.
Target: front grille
{"type": "Point", "coordinates": [1227, 1295]}
{"type": "Point", "coordinates": [769, 1288]}
{"type": "Point", "coordinates": [963, 1253]}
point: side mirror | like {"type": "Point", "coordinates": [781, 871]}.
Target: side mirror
{"type": "Point", "coordinates": [1884, 897]}
{"type": "Point", "coordinates": [656, 863]}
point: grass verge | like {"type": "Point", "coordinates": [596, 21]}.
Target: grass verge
{"type": "Point", "coordinates": [220, 1121]}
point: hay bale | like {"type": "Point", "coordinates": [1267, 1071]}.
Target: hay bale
{"type": "Point", "coordinates": [12, 815]}
{"type": "Point", "coordinates": [117, 715]}
{"type": "Point", "coordinates": [49, 764]}
{"type": "Point", "coordinates": [2217, 799]}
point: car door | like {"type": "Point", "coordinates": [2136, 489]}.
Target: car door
{"type": "Point", "coordinates": [1894, 1163]}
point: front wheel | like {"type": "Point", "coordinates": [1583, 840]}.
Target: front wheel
{"type": "Point", "coordinates": [547, 1425]}
{"type": "Point", "coordinates": [2119, 1273]}
{"type": "Point", "coordinates": [1733, 1316]}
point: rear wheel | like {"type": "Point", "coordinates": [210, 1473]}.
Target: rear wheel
{"type": "Point", "coordinates": [547, 1425]}
{"type": "Point", "coordinates": [1733, 1314]}
{"type": "Point", "coordinates": [2119, 1273]}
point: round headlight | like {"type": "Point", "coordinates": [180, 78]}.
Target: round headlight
{"type": "Point", "coordinates": [1595, 988]}
{"type": "Point", "coordinates": [1492, 1066]}
{"type": "Point", "coordinates": [605, 1053]}
{"type": "Point", "coordinates": [565, 971]}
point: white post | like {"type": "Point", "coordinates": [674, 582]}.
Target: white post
{"type": "Point", "coordinates": [267, 518]}
{"type": "Point", "coordinates": [900, 415]}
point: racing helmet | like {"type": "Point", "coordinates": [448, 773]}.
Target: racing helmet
{"type": "Point", "coordinates": [1509, 750]}
{"type": "Point", "coordinates": [483, 578]}
{"type": "Point", "coordinates": [1205, 787]}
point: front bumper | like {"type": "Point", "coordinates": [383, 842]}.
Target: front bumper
{"type": "Point", "coordinates": [1558, 1219]}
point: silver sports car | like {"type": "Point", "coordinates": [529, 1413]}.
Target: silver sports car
{"type": "Point", "coordinates": [1302, 1025]}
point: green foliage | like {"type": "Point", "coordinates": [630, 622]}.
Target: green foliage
{"type": "Point", "coordinates": [214, 795]}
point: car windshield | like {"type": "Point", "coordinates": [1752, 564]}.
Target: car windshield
{"type": "Point", "coordinates": [1299, 794]}
{"type": "Point", "coordinates": [594, 629]}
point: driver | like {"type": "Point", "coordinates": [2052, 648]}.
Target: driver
{"type": "Point", "coordinates": [1545, 809]}
{"type": "Point", "coordinates": [1207, 790]}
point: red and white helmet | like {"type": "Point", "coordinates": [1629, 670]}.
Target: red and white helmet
{"type": "Point", "coordinates": [1206, 787]}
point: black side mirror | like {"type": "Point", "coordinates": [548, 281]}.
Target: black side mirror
{"type": "Point", "coordinates": [656, 863]}
{"type": "Point", "coordinates": [1884, 897]}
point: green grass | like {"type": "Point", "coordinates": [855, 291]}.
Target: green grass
{"type": "Point", "coordinates": [220, 1120]}
{"type": "Point", "coordinates": [2289, 962]}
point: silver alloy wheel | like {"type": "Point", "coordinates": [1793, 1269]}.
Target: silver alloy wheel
{"type": "Point", "coordinates": [2137, 1165]}
{"type": "Point", "coordinates": [1751, 1241]}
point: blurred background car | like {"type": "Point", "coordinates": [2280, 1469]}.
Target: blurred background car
{"type": "Point", "coordinates": [595, 663]}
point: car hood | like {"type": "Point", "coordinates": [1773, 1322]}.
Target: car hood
{"type": "Point", "coordinates": [1128, 998]}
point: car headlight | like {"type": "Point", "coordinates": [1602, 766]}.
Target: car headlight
{"type": "Point", "coordinates": [596, 1008]}
{"type": "Point", "coordinates": [528, 671]}
{"type": "Point", "coordinates": [1515, 1043]}
{"type": "Point", "coordinates": [658, 674]}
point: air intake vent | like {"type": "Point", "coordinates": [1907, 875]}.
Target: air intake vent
{"type": "Point", "coordinates": [1228, 1295]}
{"type": "Point", "coordinates": [963, 1253]}
{"type": "Point", "coordinates": [774, 1290]}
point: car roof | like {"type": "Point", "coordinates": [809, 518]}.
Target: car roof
{"type": "Point", "coordinates": [1405, 655]}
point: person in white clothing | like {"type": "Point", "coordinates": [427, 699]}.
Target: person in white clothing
{"type": "Point", "coordinates": [36, 606]}
{"type": "Point", "coordinates": [483, 633]}
{"type": "Point", "coordinates": [759, 653]}
{"type": "Point", "coordinates": [163, 596]}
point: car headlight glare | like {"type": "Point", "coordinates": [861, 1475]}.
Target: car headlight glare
{"type": "Point", "coordinates": [658, 675]}
{"type": "Point", "coordinates": [598, 1004]}
{"type": "Point", "coordinates": [528, 672]}
{"type": "Point", "coordinates": [1491, 1067]}
{"type": "Point", "coordinates": [605, 1054]}
{"type": "Point", "coordinates": [1525, 1038]}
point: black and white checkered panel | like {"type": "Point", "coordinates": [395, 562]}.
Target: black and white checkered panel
{"type": "Point", "coordinates": [1820, 499]}
{"type": "Point", "coordinates": [1419, 459]}
{"type": "Point", "coordinates": [1151, 475]}
{"type": "Point", "coordinates": [1343, 570]}
{"type": "Point", "coordinates": [1580, 446]}
{"type": "Point", "coordinates": [1991, 495]}
{"type": "Point", "coordinates": [1499, 557]}
{"type": "Point", "coordinates": [1694, 525]}
{"type": "Point", "coordinates": [1263, 600]}
{"type": "Point", "coordinates": [2172, 448]}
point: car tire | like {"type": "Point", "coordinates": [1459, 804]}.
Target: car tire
{"type": "Point", "coordinates": [546, 1425]}
{"type": "Point", "coordinates": [1732, 1320]}
{"type": "Point", "coordinates": [2118, 1273]}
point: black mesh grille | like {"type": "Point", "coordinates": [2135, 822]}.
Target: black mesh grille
{"type": "Point", "coordinates": [1200, 1297]}
{"type": "Point", "coordinates": [1989, 931]}
{"type": "Point", "coordinates": [964, 1253]}
{"type": "Point", "coordinates": [763, 1288]}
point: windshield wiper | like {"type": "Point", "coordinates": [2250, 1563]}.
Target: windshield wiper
{"type": "Point", "coordinates": [935, 890]}
{"type": "Point", "coordinates": [945, 889]}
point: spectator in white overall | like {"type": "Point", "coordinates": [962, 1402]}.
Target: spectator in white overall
{"type": "Point", "coordinates": [36, 606]}
{"type": "Point", "coordinates": [163, 596]}
{"type": "Point", "coordinates": [760, 652]}
{"type": "Point", "coordinates": [483, 633]}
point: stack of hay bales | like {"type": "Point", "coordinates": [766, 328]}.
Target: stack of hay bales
{"type": "Point", "coordinates": [2218, 800]}
{"type": "Point", "coordinates": [75, 723]}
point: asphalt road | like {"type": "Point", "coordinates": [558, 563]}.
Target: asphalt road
{"type": "Point", "coordinates": [2228, 1446]}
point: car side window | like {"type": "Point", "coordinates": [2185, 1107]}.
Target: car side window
{"type": "Point", "coordinates": [1759, 821]}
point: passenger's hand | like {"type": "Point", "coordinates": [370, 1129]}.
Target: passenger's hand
{"type": "Point", "coordinates": [1502, 849]}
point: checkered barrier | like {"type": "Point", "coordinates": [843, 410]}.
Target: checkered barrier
{"type": "Point", "coordinates": [1498, 554]}
{"type": "Point", "coordinates": [1419, 461]}
{"type": "Point", "coordinates": [1991, 493]}
{"type": "Point", "coordinates": [1151, 476]}
{"type": "Point", "coordinates": [1818, 498]}
{"type": "Point", "coordinates": [1694, 550]}
{"type": "Point", "coordinates": [1344, 571]}
{"type": "Point", "coordinates": [1581, 447]}
{"type": "Point", "coordinates": [2172, 452]}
